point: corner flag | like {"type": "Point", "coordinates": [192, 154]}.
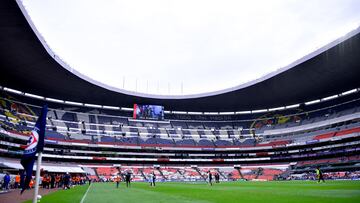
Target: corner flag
{"type": "Point", "coordinates": [35, 144]}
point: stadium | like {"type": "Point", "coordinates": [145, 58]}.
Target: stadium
{"type": "Point", "coordinates": [289, 136]}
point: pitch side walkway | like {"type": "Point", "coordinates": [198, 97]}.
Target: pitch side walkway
{"type": "Point", "coordinates": [14, 195]}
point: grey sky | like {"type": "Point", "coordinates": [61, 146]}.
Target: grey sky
{"type": "Point", "coordinates": [207, 45]}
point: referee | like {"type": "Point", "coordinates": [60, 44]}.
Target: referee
{"type": "Point", "coordinates": [319, 174]}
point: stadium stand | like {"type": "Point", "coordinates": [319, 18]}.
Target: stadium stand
{"type": "Point", "coordinates": [89, 136]}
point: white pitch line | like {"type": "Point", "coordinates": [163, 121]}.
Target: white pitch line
{"type": "Point", "coordinates": [82, 200]}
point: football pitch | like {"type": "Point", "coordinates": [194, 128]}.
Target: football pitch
{"type": "Point", "coordinates": [287, 191]}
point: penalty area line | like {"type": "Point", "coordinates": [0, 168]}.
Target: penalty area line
{"type": "Point", "coordinates": [83, 198]}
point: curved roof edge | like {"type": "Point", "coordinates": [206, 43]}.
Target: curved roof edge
{"type": "Point", "coordinates": [188, 96]}
{"type": "Point", "coordinates": [29, 65]}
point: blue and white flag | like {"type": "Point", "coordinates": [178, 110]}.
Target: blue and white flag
{"type": "Point", "coordinates": [35, 144]}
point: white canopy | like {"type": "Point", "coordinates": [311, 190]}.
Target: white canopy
{"type": "Point", "coordinates": [57, 169]}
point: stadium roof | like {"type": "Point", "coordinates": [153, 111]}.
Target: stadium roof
{"type": "Point", "coordinates": [29, 65]}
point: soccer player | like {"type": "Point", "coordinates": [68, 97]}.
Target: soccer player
{"type": "Point", "coordinates": [31, 184]}
{"type": "Point", "coordinates": [319, 174]}
{"type": "Point", "coordinates": [153, 179]}
{"type": "Point", "coordinates": [117, 180]}
{"type": "Point", "coordinates": [73, 179]}
{"type": "Point", "coordinates": [52, 181]}
{"type": "Point", "coordinates": [128, 179]}
{"type": "Point", "coordinates": [78, 179]}
{"type": "Point", "coordinates": [217, 178]}
{"type": "Point", "coordinates": [89, 179]}
{"type": "Point", "coordinates": [44, 181]}
{"type": "Point", "coordinates": [67, 179]}
{"type": "Point", "coordinates": [57, 181]}
{"type": "Point", "coordinates": [48, 179]}
{"type": "Point", "coordinates": [150, 179]}
{"type": "Point", "coordinates": [210, 178]}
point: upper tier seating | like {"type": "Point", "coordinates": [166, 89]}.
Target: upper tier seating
{"type": "Point", "coordinates": [92, 127]}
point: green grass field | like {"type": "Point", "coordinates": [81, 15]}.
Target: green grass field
{"type": "Point", "coordinates": [294, 191]}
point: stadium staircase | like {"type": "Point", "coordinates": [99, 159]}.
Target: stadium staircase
{"type": "Point", "coordinates": [96, 173]}
{"type": "Point", "coordinates": [258, 173]}
{"type": "Point", "coordinates": [181, 173]}
{"type": "Point", "coordinates": [241, 175]}
{"type": "Point", "coordinates": [214, 143]}
{"type": "Point", "coordinates": [56, 116]}
{"type": "Point", "coordinates": [221, 174]}
{"type": "Point", "coordinates": [142, 174]}
{"type": "Point", "coordinates": [161, 173]}
{"type": "Point", "coordinates": [199, 172]}
{"type": "Point", "coordinates": [285, 175]}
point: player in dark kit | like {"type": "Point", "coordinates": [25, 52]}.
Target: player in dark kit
{"type": "Point", "coordinates": [153, 179]}
{"type": "Point", "coordinates": [217, 178]}
{"type": "Point", "coordinates": [128, 179]}
{"type": "Point", "coordinates": [67, 181]}
{"type": "Point", "coordinates": [319, 175]}
{"type": "Point", "coordinates": [210, 178]}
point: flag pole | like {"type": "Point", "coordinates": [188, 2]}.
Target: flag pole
{"type": "Point", "coordinates": [37, 177]}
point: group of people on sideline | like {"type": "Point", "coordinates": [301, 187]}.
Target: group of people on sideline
{"type": "Point", "coordinates": [64, 181]}
{"type": "Point", "coordinates": [13, 182]}
{"type": "Point", "coordinates": [50, 181]}
{"type": "Point", "coordinates": [47, 181]}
